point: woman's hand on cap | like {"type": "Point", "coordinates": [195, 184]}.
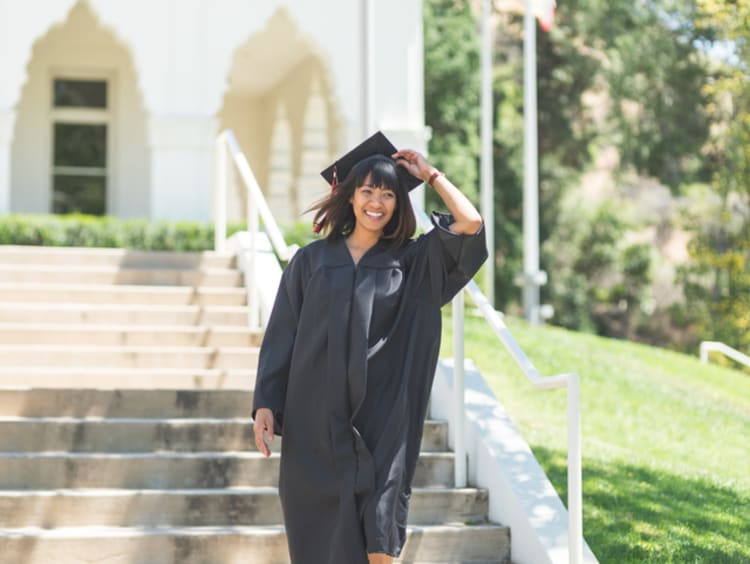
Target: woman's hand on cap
{"type": "Point", "coordinates": [414, 163]}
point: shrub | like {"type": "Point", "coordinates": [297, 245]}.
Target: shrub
{"type": "Point", "coordinates": [95, 231]}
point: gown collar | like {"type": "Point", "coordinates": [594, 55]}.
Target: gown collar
{"type": "Point", "coordinates": [378, 256]}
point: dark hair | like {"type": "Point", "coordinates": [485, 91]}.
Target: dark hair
{"type": "Point", "coordinates": [334, 213]}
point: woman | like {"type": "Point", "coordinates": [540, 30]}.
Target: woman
{"type": "Point", "coordinates": [350, 350]}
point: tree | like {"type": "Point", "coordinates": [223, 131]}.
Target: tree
{"type": "Point", "coordinates": [717, 281]}
{"type": "Point", "coordinates": [643, 60]}
{"type": "Point", "coordinates": [451, 54]}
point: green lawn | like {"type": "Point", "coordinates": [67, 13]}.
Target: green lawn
{"type": "Point", "coordinates": [666, 440]}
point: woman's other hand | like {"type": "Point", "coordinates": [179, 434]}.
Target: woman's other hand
{"type": "Point", "coordinates": [263, 424]}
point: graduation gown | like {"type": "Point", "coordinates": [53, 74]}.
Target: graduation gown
{"type": "Point", "coordinates": [346, 366]}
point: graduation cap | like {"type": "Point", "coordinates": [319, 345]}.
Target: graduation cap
{"type": "Point", "coordinates": [377, 144]}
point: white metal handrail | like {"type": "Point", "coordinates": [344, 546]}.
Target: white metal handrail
{"type": "Point", "coordinates": [257, 208]}
{"type": "Point", "coordinates": [570, 381]}
{"type": "Point", "coordinates": [726, 350]}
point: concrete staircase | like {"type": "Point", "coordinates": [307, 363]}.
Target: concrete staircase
{"type": "Point", "coordinates": [126, 385]}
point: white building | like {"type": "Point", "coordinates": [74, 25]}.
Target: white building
{"type": "Point", "coordinates": [113, 106]}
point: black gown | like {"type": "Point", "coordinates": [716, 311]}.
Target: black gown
{"type": "Point", "coordinates": [346, 365]}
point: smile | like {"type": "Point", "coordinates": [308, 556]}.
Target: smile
{"type": "Point", "coordinates": [374, 215]}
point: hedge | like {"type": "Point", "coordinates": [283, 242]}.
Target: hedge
{"type": "Point", "coordinates": [96, 231]}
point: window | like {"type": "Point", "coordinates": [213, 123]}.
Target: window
{"type": "Point", "coordinates": [79, 146]}
{"type": "Point", "coordinates": [80, 94]}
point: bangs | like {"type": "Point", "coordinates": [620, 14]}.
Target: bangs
{"type": "Point", "coordinates": [382, 170]}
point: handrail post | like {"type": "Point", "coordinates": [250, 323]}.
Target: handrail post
{"type": "Point", "coordinates": [575, 493]}
{"type": "Point", "coordinates": [253, 293]}
{"type": "Point", "coordinates": [220, 194]}
{"type": "Point", "coordinates": [458, 391]}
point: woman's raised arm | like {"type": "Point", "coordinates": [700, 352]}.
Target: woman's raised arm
{"type": "Point", "coordinates": [467, 220]}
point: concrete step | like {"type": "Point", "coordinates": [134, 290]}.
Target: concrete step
{"type": "Point", "coordinates": [445, 544]}
{"type": "Point", "coordinates": [85, 274]}
{"type": "Point", "coordinates": [151, 403]}
{"type": "Point", "coordinates": [122, 294]}
{"type": "Point", "coordinates": [111, 314]}
{"type": "Point", "coordinates": [128, 335]}
{"type": "Point", "coordinates": [192, 508]}
{"type": "Point", "coordinates": [67, 434]}
{"type": "Point", "coordinates": [128, 357]}
{"type": "Point", "coordinates": [127, 378]}
{"type": "Point", "coordinates": [171, 470]}
{"type": "Point", "coordinates": [26, 255]}
{"type": "Point", "coordinates": [61, 434]}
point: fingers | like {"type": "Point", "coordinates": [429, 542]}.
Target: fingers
{"type": "Point", "coordinates": [412, 161]}
{"type": "Point", "coordinates": [406, 153]}
{"type": "Point", "coordinates": [263, 424]}
{"type": "Point", "coordinates": [408, 156]}
{"type": "Point", "coordinates": [260, 444]}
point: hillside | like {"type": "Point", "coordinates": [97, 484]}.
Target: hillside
{"type": "Point", "coordinates": [666, 464]}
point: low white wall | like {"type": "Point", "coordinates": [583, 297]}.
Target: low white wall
{"type": "Point", "coordinates": [7, 121]}
{"type": "Point", "coordinates": [500, 460]}
{"type": "Point", "coordinates": [268, 269]}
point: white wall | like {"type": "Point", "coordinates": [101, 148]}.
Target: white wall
{"type": "Point", "coordinates": [20, 25]}
{"type": "Point", "coordinates": [182, 54]}
{"type": "Point", "coordinates": [184, 57]}
{"type": "Point", "coordinates": [80, 48]}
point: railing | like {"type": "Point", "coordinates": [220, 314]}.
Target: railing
{"type": "Point", "coordinates": [569, 381]}
{"type": "Point", "coordinates": [726, 350]}
{"type": "Point", "coordinates": [257, 208]}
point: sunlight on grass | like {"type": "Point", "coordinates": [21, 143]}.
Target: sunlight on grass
{"type": "Point", "coordinates": [666, 463]}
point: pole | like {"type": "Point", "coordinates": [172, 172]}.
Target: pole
{"type": "Point", "coordinates": [368, 57]}
{"type": "Point", "coordinates": [220, 194]}
{"type": "Point", "coordinates": [459, 447]}
{"type": "Point", "coordinates": [253, 226]}
{"type": "Point", "coordinates": [487, 180]}
{"type": "Point", "coordinates": [575, 476]}
{"type": "Point", "coordinates": [530, 177]}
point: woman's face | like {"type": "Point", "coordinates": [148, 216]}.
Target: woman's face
{"type": "Point", "coordinates": [373, 206]}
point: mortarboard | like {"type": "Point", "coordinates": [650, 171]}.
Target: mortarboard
{"type": "Point", "coordinates": [377, 144]}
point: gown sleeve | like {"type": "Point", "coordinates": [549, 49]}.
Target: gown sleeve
{"type": "Point", "coordinates": [453, 259]}
{"type": "Point", "coordinates": [278, 343]}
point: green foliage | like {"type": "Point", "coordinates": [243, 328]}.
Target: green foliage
{"type": "Point", "coordinates": [299, 234]}
{"type": "Point", "coordinates": [634, 76]}
{"type": "Point", "coordinates": [717, 287]}
{"type": "Point", "coordinates": [508, 182]}
{"type": "Point", "coordinates": [96, 231]}
{"type": "Point", "coordinates": [644, 57]}
{"type": "Point", "coordinates": [716, 282]}
{"type": "Point", "coordinates": [729, 24]}
{"type": "Point", "coordinates": [451, 58]}
{"type": "Point", "coordinates": [623, 75]}
{"type": "Point", "coordinates": [600, 281]}
{"type": "Point", "coordinates": [653, 114]}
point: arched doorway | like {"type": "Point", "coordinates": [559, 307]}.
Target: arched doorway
{"type": "Point", "coordinates": [79, 143]}
{"type": "Point", "coordinates": [280, 105]}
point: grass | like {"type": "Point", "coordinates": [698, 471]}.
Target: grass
{"type": "Point", "coordinates": [666, 457]}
